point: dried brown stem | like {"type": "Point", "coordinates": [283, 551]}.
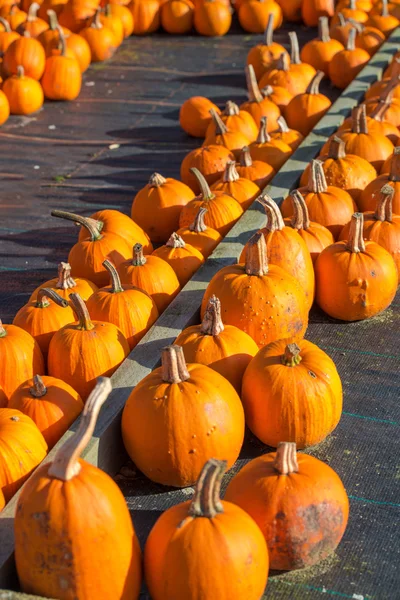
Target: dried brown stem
{"type": "Point", "coordinates": [206, 501]}
{"type": "Point", "coordinates": [355, 242]}
{"type": "Point", "coordinates": [173, 365]}
{"type": "Point", "coordinates": [212, 321]}
{"type": "Point", "coordinates": [286, 458]}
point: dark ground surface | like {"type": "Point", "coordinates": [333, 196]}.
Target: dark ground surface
{"type": "Point", "coordinates": [65, 161]}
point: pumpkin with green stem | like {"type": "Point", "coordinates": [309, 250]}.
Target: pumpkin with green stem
{"type": "Point", "coordinates": [183, 258]}
{"type": "Point", "coordinates": [264, 56]}
{"type": "Point", "coordinates": [259, 106]}
{"type": "Point", "coordinates": [274, 152]}
{"type": "Point", "coordinates": [65, 284]}
{"type": "Point", "coordinates": [369, 196]}
{"type": "Point", "coordinates": [197, 234]}
{"type": "Point", "coordinates": [255, 170]}
{"type": "Point", "coordinates": [243, 190]}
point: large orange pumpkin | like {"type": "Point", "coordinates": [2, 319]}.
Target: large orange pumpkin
{"type": "Point", "coordinates": [178, 417]}
{"type": "Point", "coordinates": [298, 502]}
{"type": "Point", "coordinates": [262, 300]}
{"type": "Point", "coordinates": [183, 258]}
{"type": "Point", "coordinates": [355, 279]}
{"type": "Point", "coordinates": [258, 105]}
{"type": "Point", "coordinates": [64, 284]}
{"type": "Point", "coordinates": [52, 404]}
{"type": "Point", "coordinates": [284, 388]}
{"type": "Point", "coordinates": [212, 18]}
{"type": "Point", "coordinates": [175, 548]}
{"type": "Point", "coordinates": [22, 448]}
{"type": "Point", "coordinates": [62, 78]}
{"type": "Point", "coordinates": [243, 190]}
{"type": "Point", "coordinates": [72, 523]}
{"type": "Point", "coordinates": [25, 52]}
{"type": "Point", "coordinates": [370, 194]}
{"type": "Point", "coordinates": [194, 115]}
{"type": "Point", "coordinates": [197, 234]}
{"type": "Point", "coordinates": [146, 16]}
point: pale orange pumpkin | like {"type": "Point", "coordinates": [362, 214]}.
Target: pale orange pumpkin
{"type": "Point", "coordinates": [198, 235]}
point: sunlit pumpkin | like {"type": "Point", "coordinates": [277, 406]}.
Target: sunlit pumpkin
{"type": "Point", "coordinates": [369, 196]}
{"type": "Point", "coordinates": [243, 190]}
{"type": "Point", "coordinates": [320, 51]}
{"type": "Point", "coordinates": [65, 284]}
{"type": "Point", "coordinates": [255, 170]}
{"type": "Point", "coordinates": [209, 160]}
{"type": "Point", "coordinates": [182, 257]}
{"type": "Point", "coordinates": [205, 239]}
{"type": "Point", "coordinates": [259, 106]}
{"type": "Point", "coordinates": [264, 56]}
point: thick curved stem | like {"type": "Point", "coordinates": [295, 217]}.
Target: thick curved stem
{"type": "Point", "coordinates": [116, 285]}
{"type": "Point", "coordinates": [38, 390]}
{"type": "Point", "coordinates": [231, 109]}
{"type": "Point", "coordinates": [283, 126]}
{"type": "Point", "coordinates": [313, 87]}
{"type": "Point", "coordinates": [263, 135]}
{"type": "Point", "coordinates": [173, 365]}
{"type": "Point", "coordinates": [294, 49]}
{"type": "Point", "coordinates": [53, 21]}
{"type": "Point", "coordinates": [245, 157]}
{"type": "Point", "coordinates": [139, 258]}
{"type": "Point", "coordinates": [175, 241]}
{"type": "Point", "coordinates": [5, 24]}
{"type": "Point", "coordinates": [91, 225]}
{"type": "Point", "coordinates": [220, 127]}
{"type": "Point", "coordinates": [394, 174]}
{"type": "Point", "coordinates": [286, 458]}
{"type": "Point", "coordinates": [230, 173]}
{"type": "Point", "coordinates": [203, 185]}
{"type": "Point", "coordinates": [32, 12]}
{"type": "Point", "coordinates": [44, 293]}
{"type": "Point", "coordinates": [317, 180]}
{"type": "Point", "coordinates": [384, 208]}
{"type": "Point", "coordinates": [351, 42]}
{"type": "Point", "coordinates": [283, 62]}
{"type": "Point", "coordinates": [256, 262]}
{"type": "Point", "coordinates": [198, 225]}
{"type": "Point", "coordinates": [379, 112]}
{"type": "Point", "coordinates": [275, 220]}
{"type": "Point", "coordinates": [157, 180]}
{"type": "Point", "coordinates": [323, 29]}
{"type": "Point", "coordinates": [62, 45]}
{"type": "Point", "coordinates": [65, 279]}
{"type": "Point", "coordinates": [66, 463]}
{"type": "Point", "coordinates": [337, 148]}
{"type": "Point", "coordinates": [252, 86]}
{"type": "Point", "coordinates": [212, 321]}
{"type": "Point", "coordinates": [82, 312]}
{"type": "Point", "coordinates": [301, 219]}
{"type": "Point", "coordinates": [269, 30]}
{"type": "Point", "coordinates": [291, 356]}
{"type": "Point", "coordinates": [355, 242]}
{"type": "Point", "coordinates": [206, 501]}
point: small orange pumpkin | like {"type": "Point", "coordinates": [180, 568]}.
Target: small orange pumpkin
{"type": "Point", "coordinates": [392, 112]}
{"type": "Point", "coordinates": [182, 257]}
{"type": "Point", "coordinates": [384, 22]}
{"type": "Point", "coordinates": [124, 15]}
{"type": "Point", "coordinates": [212, 18]}
{"type": "Point", "coordinates": [351, 12]}
{"type": "Point", "coordinates": [101, 39]}
{"type": "Point", "coordinates": [257, 171]}
{"type": "Point", "coordinates": [222, 136]}
{"type": "Point", "coordinates": [152, 275]}
{"type": "Point", "coordinates": [28, 53]}
{"type": "Point", "coordinates": [320, 51]}
{"type": "Point", "coordinates": [209, 160]}
{"type": "Point", "coordinates": [371, 192]}
{"type": "Point", "coordinates": [52, 404]}
{"type": "Point", "coordinates": [195, 117]}
{"type": "Point", "coordinates": [311, 10]}
{"type": "Point", "coordinates": [279, 95]}
{"type": "Point", "coordinates": [14, 15]}
{"type": "Point", "coordinates": [259, 106]}
{"type": "Point", "coordinates": [291, 10]}
{"type": "Point", "coordinates": [4, 108]}
{"type": "Point", "coordinates": [64, 284]}
{"type": "Point", "coordinates": [274, 152]}
{"type": "Point", "coordinates": [253, 15]}
{"type": "Point", "coordinates": [33, 25]}
{"type": "Point", "coordinates": [264, 56]}
{"type": "Point", "coordinates": [197, 234]}
{"type": "Point", "coordinates": [340, 30]}
{"type": "Point", "coordinates": [291, 137]}
{"type": "Point", "coordinates": [370, 39]}
{"type": "Point", "coordinates": [177, 16]}
{"type": "Point", "coordinates": [280, 491]}
{"type": "Point", "coordinates": [305, 110]}
{"type": "Point", "coordinates": [50, 38]}
{"type": "Point", "coordinates": [6, 35]}
{"type": "Point", "coordinates": [347, 64]}
{"type": "Point", "coordinates": [355, 279]}
{"type": "Point", "coordinates": [235, 120]}
{"type": "Point", "coordinates": [113, 22]}
{"type": "Point", "coordinates": [24, 94]}
{"type": "Point", "coordinates": [146, 16]}
{"type": "Point", "coordinates": [379, 87]}
{"type": "Point", "coordinates": [243, 190]}
{"type": "Point", "coordinates": [222, 210]}
{"type": "Point", "coordinates": [81, 49]}
{"type": "Point", "coordinates": [377, 122]}
{"type": "Point", "coordinates": [62, 79]}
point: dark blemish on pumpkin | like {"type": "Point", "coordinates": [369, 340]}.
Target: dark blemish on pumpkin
{"type": "Point", "coordinates": [373, 274]}
{"type": "Point", "coordinates": [280, 516]}
{"type": "Point", "coordinates": [312, 374]}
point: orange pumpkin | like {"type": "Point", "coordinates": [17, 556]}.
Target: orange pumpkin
{"type": "Point", "coordinates": [24, 94]}
{"type": "Point", "coordinates": [222, 136]}
{"type": "Point", "coordinates": [6, 35]}
{"type": "Point", "coordinates": [370, 194]}
{"type": "Point", "coordinates": [81, 49]}
{"type": "Point", "coordinates": [329, 206]}
{"type": "Point", "coordinates": [20, 357]}
{"type": "Point", "coordinates": [27, 53]}
{"type": "Point", "coordinates": [52, 404]}
{"type": "Point", "coordinates": [340, 30]}
{"type": "Point", "coordinates": [198, 235]}
{"type": "Point", "coordinates": [209, 160]}
{"type": "Point", "coordinates": [264, 56]}
{"type": "Point", "coordinates": [114, 23]}
{"type": "Point", "coordinates": [379, 87]}
{"type": "Point", "coordinates": [384, 22]}
{"type": "Point", "coordinates": [182, 257]}
{"type": "Point", "coordinates": [257, 171]}
{"type": "Point", "coordinates": [212, 18]}
{"type": "Point", "coordinates": [392, 111]}
{"type": "Point", "coordinates": [64, 284]}
{"type": "Point", "coordinates": [243, 190]}
{"type": "Point", "coordinates": [146, 16]}
{"type": "Point", "coordinates": [33, 25]}
{"type": "Point", "coordinates": [351, 12]}
{"type": "Point", "coordinates": [253, 15]}
{"type": "Point", "coordinates": [50, 38]}
{"type": "Point", "coordinates": [179, 416]}
{"type": "Point", "coordinates": [102, 40]}
{"type": "Point", "coordinates": [4, 108]}
{"type": "Point", "coordinates": [274, 152]}
{"type": "Point", "coordinates": [381, 226]}
{"type": "Point", "coordinates": [305, 110]}
{"type": "Point", "coordinates": [152, 275]}
{"type": "Point", "coordinates": [14, 15]}
{"type": "Point", "coordinates": [283, 390]}
{"type": "Point", "coordinates": [157, 206]}
{"type": "Point", "coordinates": [176, 545]}
{"type": "Point", "coordinates": [355, 279]}
{"type": "Point", "coordinates": [93, 348]}
{"type": "Point", "coordinates": [291, 10]}
{"type": "Point", "coordinates": [222, 210]}
{"type": "Point", "coordinates": [285, 248]}
{"type": "Point", "coordinates": [320, 51]}
{"type": "Point", "coordinates": [75, 14]}
{"type": "Point", "coordinates": [298, 502]}
{"type": "Point", "coordinates": [262, 300]}
{"type": "Point", "coordinates": [370, 39]}
{"type": "Point", "coordinates": [291, 137]}
{"type": "Point", "coordinates": [259, 106]}
{"type": "Point", "coordinates": [3, 404]}
{"type": "Point", "coordinates": [225, 348]}
{"type": "Point", "coordinates": [316, 236]}
{"type": "Point", "coordinates": [235, 120]}
{"type": "Point", "coordinates": [72, 496]}
{"type": "Point", "coordinates": [346, 171]}
{"type": "Point", "coordinates": [279, 95]}
{"type": "Point", "coordinates": [22, 448]}
{"type": "Point", "coordinates": [311, 10]}
{"type": "Point", "coordinates": [118, 11]}
{"type": "Point", "coordinates": [347, 64]}
{"type": "Point", "coordinates": [62, 79]}
{"type": "Point", "coordinates": [195, 117]}
{"type": "Point", "coordinates": [377, 122]}
{"type": "Point", "coordinates": [86, 256]}
{"type": "Point", "coordinates": [177, 16]}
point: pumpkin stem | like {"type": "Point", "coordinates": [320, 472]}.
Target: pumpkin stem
{"type": "Point", "coordinates": [355, 242]}
{"type": "Point", "coordinates": [355, 119]}
{"type": "Point", "coordinates": [5, 24]}
{"type": "Point", "coordinates": [388, 91]}
{"type": "Point", "coordinates": [20, 72]}
{"type": "Point", "coordinates": [395, 165]}
{"type": "Point", "coordinates": [342, 20]}
{"type": "Point", "coordinates": [283, 62]}
{"type": "Point", "coordinates": [323, 29]}
{"type": "Point", "coordinates": [362, 119]}
{"type": "Point", "coordinates": [139, 258]}
{"type": "Point", "coordinates": [317, 180]}
{"type": "Point", "coordinates": [291, 356]}
{"type": "Point", "coordinates": [256, 262]}
{"type": "Point", "coordinates": [301, 219]}
{"type": "Point", "coordinates": [107, 10]}
{"type": "Point", "coordinates": [230, 173]}
{"type": "Point", "coordinates": [204, 187]}
{"type": "Point", "coordinates": [82, 312]}
{"type": "Point", "coordinates": [351, 42]}
{"type": "Point", "coordinates": [66, 465]}
{"type": "Point", "coordinates": [337, 148]}
{"type": "Point", "coordinates": [294, 49]}
{"type": "Point", "coordinates": [44, 293]}
{"type": "Point", "coordinates": [212, 322]}
{"type": "Point", "coordinates": [53, 21]}
{"type": "Point", "coordinates": [90, 224]}
{"type": "Point", "coordinates": [32, 12]}
{"type": "Point", "coordinates": [38, 390]}
{"type": "Point", "coordinates": [96, 23]}
{"type": "Point", "coordinates": [198, 225]}
{"type": "Point", "coordinates": [65, 280]}
{"type": "Point", "coordinates": [245, 157]}
{"type": "Point", "coordinates": [252, 86]}
{"type": "Point", "coordinates": [269, 30]}
{"type": "Point", "coordinates": [267, 91]}
{"type": "Point", "coordinates": [206, 501]}
{"type": "Point", "coordinates": [220, 127]}
{"type": "Point", "coordinates": [378, 113]}
{"type": "Point", "coordinates": [385, 9]}
{"type": "Point", "coordinates": [157, 180]}
{"type": "Point", "coordinates": [231, 109]}
{"type": "Point", "coordinates": [286, 458]}
{"type": "Point", "coordinates": [175, 241]}
{"type": "Point", "coordinates": [263, 135]}
{"type": "Point", "coordinates": [313, 87]}
{"type": "Point", "coordinates": [384, 208]}
{"type": "Point", "coordinates": [283, 126]}
{"type": "Point", "coordinates": [173, 365]}
{"type": "Point", "coordinates": [3, 331]}
{"type": "Point", "coordinates": [116, 285]}
{"type": "Point", "coordinates": [275, 220]}
{"type": "Point", "coordinates": [62, 45]}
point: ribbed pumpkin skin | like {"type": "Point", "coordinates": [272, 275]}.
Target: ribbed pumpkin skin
{"type": "Point", "coordinates": [370, 195]}
{"type": "Point", "coordinates": [86, 518]}
{"type": "Point", "coordinates": [54, 412]}
{"type": "Point", "coordinates": [194, 115]}
{"type": "Point", "coordinates": [301, 403]}
{"type": "Point", "coordinates": [133, 311]}
{"type": "Point", "coordinates": [174, 552]}
{"type": "Point", "coordinates": [303, 515]}
{"type": "Point", "coordinates": [209, 160]}
{"type": "Point", "coordinates": [222, 212]}
{"type": "Point", "coordinates": [185, 261]}
{"type": "Point", "coordinates": [28, 53]}
{"type": "Point", "coordinates": [171, 429]}
{"type": "Point", "coordinates": [62, 78]}
{"type": "Point", "coordinates": [316, 237]}
{"type": "Point", "coordinates": [243, 190]}
{"type": "Point", "coordinates": [3, 399]}
{"type": "Point", "coordinates": [80, 357]}
{"type": "Point", "coordinates": [22, 448]}
{"type": "Point", "coordinates": [228, 353]}
{"type": "Point", "coordinates": [146, 16]}
{"type": "Point", "coordinates": [374, 148]}
{"type": "Point", "coordinates": [83, 287]}
{"type": "Point", "coordinates": [20, 358]}
{"type": "Point", "coordinates": [204, 241]}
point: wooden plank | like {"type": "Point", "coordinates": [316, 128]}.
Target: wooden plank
{"type": "Point", "coordinates": [105, 449]}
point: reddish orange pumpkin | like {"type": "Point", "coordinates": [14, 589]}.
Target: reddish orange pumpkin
{"type": "Point", "coordinates": [146, 16]}
{"type": "Point", "coordinates": [259, 106]}
{"type": "Point", "coordinates": [209, 160]}
{"type": "Point", "coordinates": [197, 234]}
{"type": "Point", "coordinates": [305, 110]}
{"type": "Point", "coordinates": [257, 171]}
{"type": "Point", "coordinates": [177, 16]}
{"type": "Point", "coordinates": [243, 190]}
{"type": "Point", "coordinates": [320, 51]}
{"type": "Point", "coordinates": [264, 56]}
{"type": "Point", "coordinates": [311, 10]}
